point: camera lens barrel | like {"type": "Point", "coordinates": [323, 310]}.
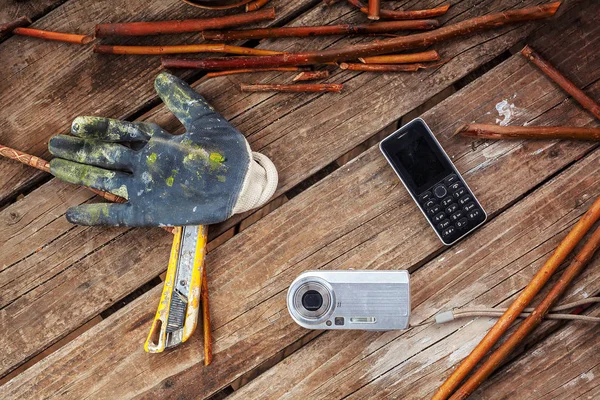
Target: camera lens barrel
{"type": "Point", "coordinates": [312, 301]}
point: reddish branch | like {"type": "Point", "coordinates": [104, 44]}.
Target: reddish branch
{"type": "Point", "coordinates": [485, 131]}
{"type": "Point", "coordinates": [307, 87]}
{"type": "Point", "coordinates": [568, 86]}
{"type": "Point", "coordinates": [385, 46]}
{"type": "Point", "coordinates": [531, 322]}
{"type": "Point", "coordinates": [525, 297]}
{"type": "Point", "coordinates": [424, 56]}
{"type": "Point", "coordinates": [44, 165]}
{"type": "Point", "coordinates": [302, 31]}
{"type": "Point", "coordinates": [10, 26]}
{"type": "Point", "coordinates": [255, 5]}
{"type": "Point", "coordinates": [180, 49]}
{"type": "Point", "coordinates": [57, 36]}
{"type": "Point", "coordinates": [208, 352]}
{"type": "Point", "coordinates": [311, 76]}
{"type": "Point", "coordinates": [374, 9]}
{"type": "Point", "coordinates": [393, 14]}
{"type": "Point", "coordinates": [190, 25]}
{"type": "Point", "coordinates": [243, 71]}
{"type": "Point", "coordinates": [387, 67]}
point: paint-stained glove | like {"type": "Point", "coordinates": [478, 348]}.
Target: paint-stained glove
{"type": "Point", "coordinates": [201, 177]}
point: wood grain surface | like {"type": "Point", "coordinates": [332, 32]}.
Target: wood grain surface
{"type": "Point", "coordinates": [55, 277]}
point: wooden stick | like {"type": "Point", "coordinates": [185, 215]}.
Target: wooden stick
{"type": "Point", "coordinates": [180, 49]}
{"type": "Point", "coordinates": [311, 76]}
{"type": "Point", "coordinates": [190, 25]}
{"type": "Point", "coordinates": [208, 353]}
{"type": "Point", "coordinates": [10, 26]}
{"type": "Point", "coordinates": [387, 67]}
{"type": "Point", "coordinates": [243, 71]}
{"type": "Point", "coordinates": [393, 14]}
{"type": "Point", "coordinates": [307, 87]}
{"type": "Point", "coordinates": [304, 31]}
{"type": "Point", "coordinates": [44, 165]}
{"type": "Point", "coordinates": [531, 290]}
{"type": "Point", "coordinates": [255, 5]}
{"type": "Point", "coordinates": [424, 56]}
{"type": "Point", "coordinates": [374, 9]}
{"type": "Point", "coordinates": [57, 36]}
{"type": "Point", "coordinates": [491, 131]}
{"type": "Point", "coordinates": [586, 102]}
{"type": "Point", "coordinates": [531, 322]}
{"type": "Point", "coordinates": [385, 46]}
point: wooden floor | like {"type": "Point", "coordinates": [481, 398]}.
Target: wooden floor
{"type": "Point", "coordinates": [76, 303]}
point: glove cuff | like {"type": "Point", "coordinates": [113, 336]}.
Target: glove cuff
{"type": "Point", "coordinates": [259, 184]}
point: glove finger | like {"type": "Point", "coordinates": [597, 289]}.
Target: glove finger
{"type": "Point", "coordinates": [92, 152]}
{"type": "Point", "coordinates": [186, 104]}
{"type": "Point", "coordinates": [112, 130]}
{"type": "Point", "coordinates": [86, 175]}
{"type": "Point", "coordinates": [101, 214]}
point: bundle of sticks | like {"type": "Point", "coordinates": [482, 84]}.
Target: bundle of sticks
{"type": "Point", "coordinates": [376, 56]}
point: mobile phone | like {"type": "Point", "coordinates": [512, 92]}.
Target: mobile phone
{"type": "Point", "coordinates": [433, 181]}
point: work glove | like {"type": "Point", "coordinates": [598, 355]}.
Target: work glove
{"type": "Point", "coordinates": [201, 177]}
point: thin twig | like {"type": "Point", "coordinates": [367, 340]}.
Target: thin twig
{"type": "Point", "coordinates": [490, 131]}
{"type": "Point", "coordinates": [586, 102]}
{"type": "Point", "coordinates": [44, 165]}
{"type": "Point", "coordinates": [311, 76]}
{"type": "Point", "coordinates": [307, 87]}
{"type": "Point", "coordinates": [183, 49]}
{"type": "Point", "coordinates": [565, 247]}
{"type": "Point", "coordinates": [56, 36]}
{"type": "Point", "coordinates": [386, 46]}
{"type": "Point", "coordinates": [323, 30]}
{"type": "Point", "coordinates": [387, 67]}
{"type": "Point", "coordinates": [497, 357]}
{"type": "Point", "coordinates": [244, 71]}
{"type": "Point", "coordinates": [411, 14]}
{"type": "Point", "coordinates": [190, 25]}
{"type": "Point", "coordinates": [424, 56]}
{"type": "Point", "coordinates": [208, 352]}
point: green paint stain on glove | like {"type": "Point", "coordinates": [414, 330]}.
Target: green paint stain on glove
{"type": "Point", "coordinates": [216, 157]}
{"type": "Point", "coordinates": [151, 159]}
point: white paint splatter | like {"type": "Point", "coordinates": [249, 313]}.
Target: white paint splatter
{"type": "Point", "coordinates": [507, 111]}
{"type": "Point", "coordinates": [194, 209]}
{"type": "Point", "coordinates": [146, 178]}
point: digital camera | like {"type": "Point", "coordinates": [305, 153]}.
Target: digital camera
{"type": "Point", "coordinates": [365, 300]}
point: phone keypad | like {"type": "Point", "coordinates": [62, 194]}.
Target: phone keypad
{"type": "Point", "coordinates": [451, 208]}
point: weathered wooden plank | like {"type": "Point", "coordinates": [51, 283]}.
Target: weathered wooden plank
{"type": "Point", "coordinates": [248, 310]}
{"type": "Point", "coordinates": [294, 161]}
{"type": "Point", "coordinates": [56, 82]}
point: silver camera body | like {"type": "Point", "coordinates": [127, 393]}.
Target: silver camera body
{"type": "Point", "coordinates": [365, 300]}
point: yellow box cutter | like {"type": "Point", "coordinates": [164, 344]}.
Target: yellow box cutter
{"type": "Point", "coordinates": [177, 315]}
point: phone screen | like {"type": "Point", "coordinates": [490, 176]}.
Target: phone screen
{"type": "Point", "coordinates": [416, 157]}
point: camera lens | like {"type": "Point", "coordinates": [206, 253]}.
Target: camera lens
{"type": "Point", "coordinates": [312, 300]}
